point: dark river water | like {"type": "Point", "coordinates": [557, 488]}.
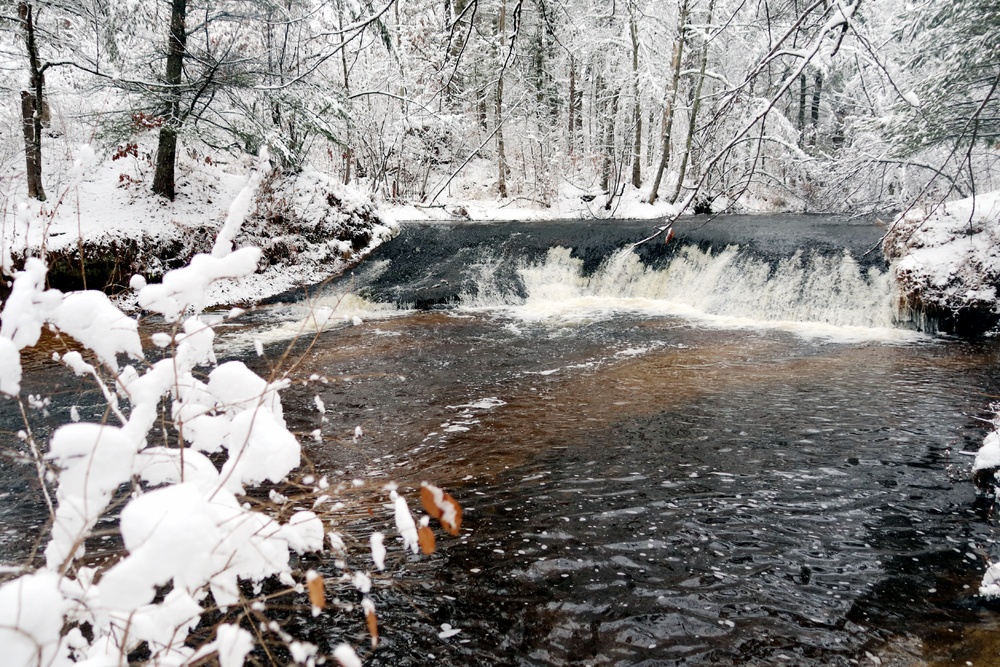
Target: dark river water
{"type": "Point", "coordinates": [729, 450]}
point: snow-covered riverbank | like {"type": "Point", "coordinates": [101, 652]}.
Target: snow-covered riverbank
{"type": "Point", "coordinates": [104, 224]}
{"type": "Point", "coordinates": [947, 259]}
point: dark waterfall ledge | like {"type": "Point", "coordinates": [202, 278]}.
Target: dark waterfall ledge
{"type": "Point", "coordinates": [971, 321]}
{"type": "Point", "coordinates": [938, 309]}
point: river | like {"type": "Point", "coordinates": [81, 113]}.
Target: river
{"type": "Point", "coordinates": [726, 450]}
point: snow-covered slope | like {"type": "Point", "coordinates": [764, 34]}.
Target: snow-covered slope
{"type": "Point", "coordinates": [309, 226]}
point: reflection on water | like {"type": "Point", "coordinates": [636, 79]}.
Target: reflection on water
{"type": "Point", "coordinates": [646, 490]}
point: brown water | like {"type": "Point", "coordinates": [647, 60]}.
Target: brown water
{"type": "Point", "coordinates": [643, 483]}
{"type": "Point", "coordinates": [721, 497]}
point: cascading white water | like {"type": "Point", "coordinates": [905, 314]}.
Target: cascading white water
{"type": "Point", "coordinates": [805, 287]}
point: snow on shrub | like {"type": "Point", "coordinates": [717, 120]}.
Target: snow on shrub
{"type": "Point", "coordinates": [984, 471]}
{"type": "Point", "coordinates": [191, 543]}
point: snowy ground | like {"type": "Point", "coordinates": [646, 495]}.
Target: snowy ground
{"type": "Point", "coordinates": [569, 205]}
{"type": "Point", "coordinates": [106, 201]}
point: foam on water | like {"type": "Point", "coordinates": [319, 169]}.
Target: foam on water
{"type": "Point", "coordinates": [308, 318]}
{"type": "Point", "coordinates": [811, 294]}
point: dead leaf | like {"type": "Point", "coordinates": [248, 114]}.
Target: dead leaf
{"type": "Point", "coordinates": [451, 521]}
{"type": "Point", "coordinates": [427, 493]}
{"type": "Point", "coordinates": [317, 593]}
{"type": "Point", "coordinates": [441, 506]}
{"type": "Point", "coordinates": [425, 538]}
{"type": "Point", "coordinates": [372, 620]}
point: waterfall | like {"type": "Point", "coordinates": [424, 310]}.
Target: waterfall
{"type": "Point", "coordinates": [811, 287]}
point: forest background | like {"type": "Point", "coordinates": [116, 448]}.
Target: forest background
{"type": "Point", "coordinates": [828, 105]}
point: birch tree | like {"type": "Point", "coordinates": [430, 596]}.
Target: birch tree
{"type": "Point", "coordinates": [670, 99]}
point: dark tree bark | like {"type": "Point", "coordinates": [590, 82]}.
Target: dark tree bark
{"type": "Point", "coordinates": [32, 106]}
{"type": "Point", "coordinates": [803, 85]}
{"type": "Point", "coordinates": [693, 116]}
{"type": "Point", "coordinates": [572, 106]}
{"type": "Point", "coordinates": [608, 176]}
{"type": "Point", "coordinates": [814, 112]}
{"type": "Point", "coordinates": [637, 105]}
{"type": "Point", "coordinates": [349, 146]}
{"type": "Point", "coordinates": [671, 102]}
{"type": "Point", "coordinates": [498, 110]}
{"type": "Point", "coordinates": [166, 149]}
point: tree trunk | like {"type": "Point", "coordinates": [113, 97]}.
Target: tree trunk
{"type": "Point", "coordinates": [611, 176]}
{"type": "Point", "coordinates": [454, 90]}
{"type": "Point", "coordinates": [637, 105]}
{"type": "Point", "coordinates": [501, 157]}
{"type": "Point", "coordinates": [348, 148]}
{"type": "Point", "coordinates": [166, 149]}
{"type": "Point", "coordinates": [814, 112]}
{"type": "Point", "coordinates": [572, 106]}
{"type": "Point", "coordinates": [609, 110]}
{"type": "Point", "coordinates": [802, 108]}
{"type": "Point", "coordinates": [32, 106]}
{"type": "Point", "coordinates": [669, 107]}
{"type": "Point", "coordinates": [695, 106]}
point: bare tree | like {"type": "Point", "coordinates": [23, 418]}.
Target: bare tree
{"type": "Point", "coordinates": [695, 107]}
{"type": "Point", "coordinates": [166, 149]}
{"type": "Point", "coordinates": [633, 29]}
{"type": "Point", "coordinates": [33, 105]}
{"type": "Point", "coordinates": [670, 103]}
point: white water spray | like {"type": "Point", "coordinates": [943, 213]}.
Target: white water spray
{"type": "Point", "coordinates": [831, 290]}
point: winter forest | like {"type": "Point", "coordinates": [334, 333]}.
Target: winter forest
{"type": "Point", "coordinates": [787, 105]}
{"type": "Point", "coordinates": [499, 332]}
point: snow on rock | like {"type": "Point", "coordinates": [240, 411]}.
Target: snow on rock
{"type": "Point", "coordinates": [988, 457]}
{"type": "Point", "coordinates": [947, 262]}
{"type": "Point", "coordinates": [984, 471]}
{"type": "Point", "coordinates": [990, 586]}
{"type": "Point", "coordinates": [309, 227]}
